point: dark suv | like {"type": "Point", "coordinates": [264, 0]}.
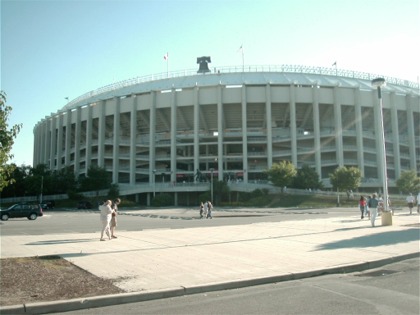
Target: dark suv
{"type": "Point", "coordinates": [48, 204]}
{"type": "Point", "coordinates": [21, 210]}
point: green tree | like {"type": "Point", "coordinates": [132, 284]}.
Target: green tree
{"type": "Point", "coordinates": [220, 191]}
{"type": "Point", "coordinates": [306, 178]}
{"type": "Point", "coordinates": [7, 137]}
{"type": "Point", "coordinates": [64, 180]}
{"type": "Point", "coordinates": [408, 182]}
{"type": "Point", "coordinates": [39, 181]}
{"type": "Point", "coordinates": [346, 178]}
{"type": "Point", "coordinates": [20, 175]}
{"type": "Point", "coordinates": [114, 192]}
{"type": "Point", "coordinates": [97, 178]}
{"type": "Point", "coordinates": [282, 174]}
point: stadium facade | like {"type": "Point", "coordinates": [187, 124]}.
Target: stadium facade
{"type": "Point", "coordinates": [172, 131]}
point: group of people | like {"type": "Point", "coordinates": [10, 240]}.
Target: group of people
{"type": "Point", "coordinates": [371, 206]}
{"type": "Point", "coordinates": [109, 211]}
{"type": "Point", "coordinates": [205, 210]}
{"type": "Point", "coordinates": [411, 201]}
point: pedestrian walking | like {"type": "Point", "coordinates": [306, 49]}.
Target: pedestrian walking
{"type": "Point", "coordinates": [206, 209]}
{"type": "Point", "coordinates": [201, 210]}
{"type": "Point", "coordinates": [373, 208]}
{"type": "Point", "coordinates": [367, 206]}
{"type": "Point", "coordinates": [106, 215]}
{"type": "Point", "coordinates": [418, 202]}
{"type": "Point", "coordinates": [362, 206]}
{"type": "Point", "coordinates": [410, 202]}
{"type": "Point", "coordinates": [209, 208]}
{"type": "Point", "coordinates": [113, 223]}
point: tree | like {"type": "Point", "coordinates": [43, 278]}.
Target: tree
{"type": "Point", "coordinates": [306, 178]}
{"type": "Point", "coordinates": [64, 180]}
{"type": "Point", "coordinates": [114, 192]}
{"type": "Point", "coordinates": [7, 137]}
{"type": "Point", "coordinates": [408, 182]}
{"type": "Point", "coordinates": [20, 175]}
{"type": "Point", "coordinates": [97, 178]}
{"type": "Point", "coordinates": [282, 174]}
{"type": "Point", "coordinates": [221, 191]}
{"type": "Point", "coordinates": [346, 178]}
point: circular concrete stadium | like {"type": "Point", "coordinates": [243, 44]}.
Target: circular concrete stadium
{"type": "Point", "coordinates": [172, 132]}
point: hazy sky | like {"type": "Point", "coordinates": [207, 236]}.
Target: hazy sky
{"type": "Point", "coordinates": [55, 49]}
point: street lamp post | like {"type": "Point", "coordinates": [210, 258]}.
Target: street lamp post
{"type": "Point", "coordinates": [378, 83]}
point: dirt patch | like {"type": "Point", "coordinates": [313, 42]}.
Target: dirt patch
{"type": "Point", "coordinates": [48, 278]}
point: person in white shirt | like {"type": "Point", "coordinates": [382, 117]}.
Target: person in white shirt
{"type": "Point", "coordinates": [410, 202]}
{"type": "Point", "coordinates": [373, 208]}
{"type": "Point", "coordinates": [106, 216]}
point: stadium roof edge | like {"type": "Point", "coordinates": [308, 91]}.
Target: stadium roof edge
{"type": "Point", "coordinates": [249, 75]}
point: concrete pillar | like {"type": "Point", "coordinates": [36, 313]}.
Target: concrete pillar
{"type": "Point", "coordinates": [77, 142]}
{"type": "Point", "coordinates": [116, 141]}
{"type": "Point", "coordinates": [89, 136]}
{"type": "Point", "coordinates": [244, 135]}
{"type": "Point", "coordinates": [68, 138]}
{"type": "Point", "coordinates": [220, 132]}
{"type": "Point", "coordinates": [359, 132]}
{"type": "Point", "coordinates": [53, 142]}
{"type": "Point", "coordinates": [173, 135]}
{"type": "Point", "coordinates": [101, 134]}
{"type": "Point", "coordinates": [152, 137]}
{"type": "Point", "coordinates": [268, 119]}
{"type": "Point", "coordinates": [59, 140]}
{"type": "Point", "coordinates": [395, 137]}
{"type": "Point", "coordinates": [317, 130]}
{"type": "Point", "coordinates": [293, 128]}
{"type": "Point", "coordinates": [410, 101]}
{"type": "Point", "coordinates": [133, 138]}
{"type": "Point", "coordinates": [196, 131]}
{"type": "Point", "coordinates": [338, 129]}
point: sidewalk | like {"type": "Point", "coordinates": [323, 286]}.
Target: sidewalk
{"type": "Point", "coordinates": [161, 263]}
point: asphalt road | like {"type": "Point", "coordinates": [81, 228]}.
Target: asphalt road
{"type": "Point", "coordinates": [87, 221]}
{"type": "Point", "coordinates": [390, 290]}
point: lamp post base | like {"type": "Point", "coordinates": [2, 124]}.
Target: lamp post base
{"type": "Point", "coordinates": [386, 218]}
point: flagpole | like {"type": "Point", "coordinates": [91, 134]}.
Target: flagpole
{"type": "Point", "coordinates": [166, 58]}
{"type": "Point", "coordinates": [243, 60]}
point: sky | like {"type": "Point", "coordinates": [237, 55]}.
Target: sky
{"type": "Point", "coordinates": [54, 49]}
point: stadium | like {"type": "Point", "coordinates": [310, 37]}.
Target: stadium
{"type": "Point", "coordinates": [176, 131]}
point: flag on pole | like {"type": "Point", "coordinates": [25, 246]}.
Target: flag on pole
{"type": "Point", "coordinates": [166, 56]}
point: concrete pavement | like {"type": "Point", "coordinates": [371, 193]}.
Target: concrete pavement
{"type": "Point", "coordinates": [172, 262]}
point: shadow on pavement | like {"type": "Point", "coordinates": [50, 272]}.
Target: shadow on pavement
{"type": "Point", "coordinates": [379, 239]}
{"type": "Point", "coordinates": [52, 242]}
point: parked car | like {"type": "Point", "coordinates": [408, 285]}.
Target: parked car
{"type": "Point", "coordinates": [21, 210]}
{"type": "Point", "coordinates": [48, 204]}
{"type": "Point", "coordinates": [84, 205]}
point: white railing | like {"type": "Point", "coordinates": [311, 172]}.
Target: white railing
{"type": "Point", "coordinates": [240, 69]}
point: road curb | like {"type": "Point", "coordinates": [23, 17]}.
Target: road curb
{"type": "Point", "coordinates": [133, 297]}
